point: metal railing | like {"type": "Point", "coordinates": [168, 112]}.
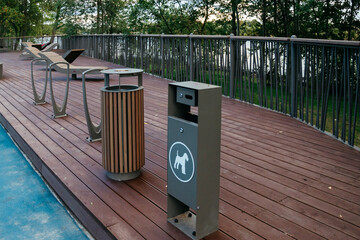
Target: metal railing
{"type": "Point", "coordinates": [14, 43]}
{"type": "Point", "coordinates": [315, 81]}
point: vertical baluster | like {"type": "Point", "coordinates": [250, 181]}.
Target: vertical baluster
{"type": "Point", "coordinates": [251, 71]}
{"type": "Point", "coordinates": [323, 64]}
{"type": "Point", "coordinates": [263, 77]}
{"type": "Point", "coordinates": [312, 72]}
{"type": "Point", "coordinates": [343, 130]}
{"type": "Point", "coordinates": [260, 77]}
{"type": "Point", "coordinates": [306, 84]}
{"type": "Point", "coordinates": [168, 59]}
{"type": "Point", "coordinates": [227, 64]}
{"type": "Point", "coordinates": [330, 63]}
{"type": "Point", "coordinates": [338, 99]}
{"type": "Point", "coordinates": [357, 96]}
{"type": "Point", "coordinates": [300, 82]}
{"type": "Point", "coordinates": [211, 65]}
{"type": "Point", "coordinates": [221, 64]}
{"type": "Point", "coordinates": [271, 46]}
{"type": "Point", "coordinates": [350, 94]}
{"type": "Point", "coordinates": [277, 76]}
{"type": "Point", "coordinates": [317, 88]}
{"type": "Point", "coordinates": [245, 52]}
{"type": "Point", "coordinates": [240, 64]}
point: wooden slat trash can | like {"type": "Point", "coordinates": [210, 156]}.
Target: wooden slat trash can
{"type": "Point", "coordinates": [122, 116]}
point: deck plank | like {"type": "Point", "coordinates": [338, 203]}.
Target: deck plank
{"type": "Point", "coordinates": [280, 178]}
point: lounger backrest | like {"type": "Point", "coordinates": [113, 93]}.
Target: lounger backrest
{"type": "Point", "coordinates": [34, 52]}
{"type": "Point", "coordinates": [27, 44]}
{"type": "Point", "coordinates": [50, 47]}
{"type": "Point", "coordinates": [54, 57]}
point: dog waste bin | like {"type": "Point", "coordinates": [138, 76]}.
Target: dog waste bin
{"type": "Point", "coordinates": [122, 117]}
{"type": "Point", "coordinates": [193, 170]}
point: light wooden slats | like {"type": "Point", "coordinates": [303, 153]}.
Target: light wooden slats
{"type": "Point", "coordinates": [123, 131]}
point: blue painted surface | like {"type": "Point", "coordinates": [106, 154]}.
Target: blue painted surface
{"type": "Point", "coordinates": [28, 210]}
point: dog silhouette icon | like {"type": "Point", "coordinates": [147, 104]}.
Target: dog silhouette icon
{"type": "Point", "coordinates": [181, 162]}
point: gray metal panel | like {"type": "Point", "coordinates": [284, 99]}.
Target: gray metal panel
{"type": "Point", "coordinates": [186, 96]}
{"type": "Point", "coordinates": [182, 160]}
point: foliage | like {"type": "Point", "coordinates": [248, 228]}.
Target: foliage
{"type": "Point", "coordinates": [170, 17]}
{"type": "Point", "coordinates": [10, 21]}
{"type": "Point", "coordinates": [19, 17]}
{"type": "Point", "coordinates": [329, 19]}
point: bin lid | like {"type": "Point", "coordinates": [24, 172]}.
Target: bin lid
{"type": "Point", "coordinates": [122, 71]}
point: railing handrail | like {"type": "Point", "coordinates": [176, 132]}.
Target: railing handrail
{"type": "Point", "coordinates": [194, 36]}
{"type": "Point", "coordinates": [245, 38]}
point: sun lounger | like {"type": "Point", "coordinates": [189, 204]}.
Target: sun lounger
{"type": "Point", "coordinates": [72, 54]}
{"type": "Point", "coordinates": [69, 56]}
{"type": "Point", "coordinates": [27, 44]}
{"type": "Point", "coordinates": [31, 50]}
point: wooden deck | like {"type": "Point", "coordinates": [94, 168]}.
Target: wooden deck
{"type": "Point", "coordinates": [280, 179]}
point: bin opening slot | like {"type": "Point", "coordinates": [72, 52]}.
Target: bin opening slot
{"type": "Point", "coordinates": [187, 96]}
{"type": "Point", "coordinates": [191, 117]}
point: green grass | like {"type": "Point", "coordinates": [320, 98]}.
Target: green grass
{"type": "Point", "coordinates": [250, 93]}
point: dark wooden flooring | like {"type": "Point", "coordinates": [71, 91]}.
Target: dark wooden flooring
{"type": "Point", "coordinates": [280, 179]}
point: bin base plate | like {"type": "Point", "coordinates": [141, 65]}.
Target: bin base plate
{"type": "Point", "coordinates": [123, 176]}
{"type": "Point", "coordinates": [186, 222]}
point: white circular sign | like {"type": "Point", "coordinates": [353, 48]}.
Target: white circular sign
{"type": "Point", "coordinates": [181, 162]}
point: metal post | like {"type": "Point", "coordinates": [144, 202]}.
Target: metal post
{"type": "Point", "coordinates": [191, 48]}
{"type": "Point", "coordinates": [142, 52]}
{"type": "Point", "coordinates": [232, 66]}
{"type": "Point", "coordinates": [162, 55]}
{"type": "Point", "coordinates": [126, 50]}
{"type": "Point", "coordinates": [293, 111]}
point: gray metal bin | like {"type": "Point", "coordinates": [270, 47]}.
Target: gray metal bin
{"type": "Point", "coordinates": [194, 121]}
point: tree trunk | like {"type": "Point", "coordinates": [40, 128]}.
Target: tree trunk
{"type": "Point", "coordinates": [296, 18]}
{"type": "Point", "coordinates": [275, 19]}
{"type": "Point", "coordinates": [264, 17]}
{"type": "Point", "coordinates": [206, 16]}
{"type": "Point", "coordinates": [56, 22]}
{"type": "Point", "coordinates": [327, 16]}
{"type": "Point", "coordinates": [237, 22]}
{"type": "Point", "coordinates": [23, 31]}
{"type": "Point", "coordinates": [286, 14]}
{"type": "Point", "coordinates": [233, 17]}
{"type": "Point", "coordinates": [351, 19]}
{"type": "Point", "coordinates": [98, 16]}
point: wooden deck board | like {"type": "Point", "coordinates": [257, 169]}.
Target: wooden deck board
{"type": "Point", "coordinates": [280, 178]}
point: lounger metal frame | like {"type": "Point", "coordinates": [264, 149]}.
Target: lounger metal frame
{"type": "Point", "coordinates": [39, 100]}
{"type": "Point", "coordinates": [94, 130]}
{"type": "Point", "coordinates": [59, 112]}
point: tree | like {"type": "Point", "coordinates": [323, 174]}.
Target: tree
{"type": "Point", "coordinates": [11, 21]}
{"type": "Point", "coordinates": [351, 24]}
{"type": "Point", "coordinates": [19, 17]}
{"type": "Point", "coordinates": [172, 17]}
